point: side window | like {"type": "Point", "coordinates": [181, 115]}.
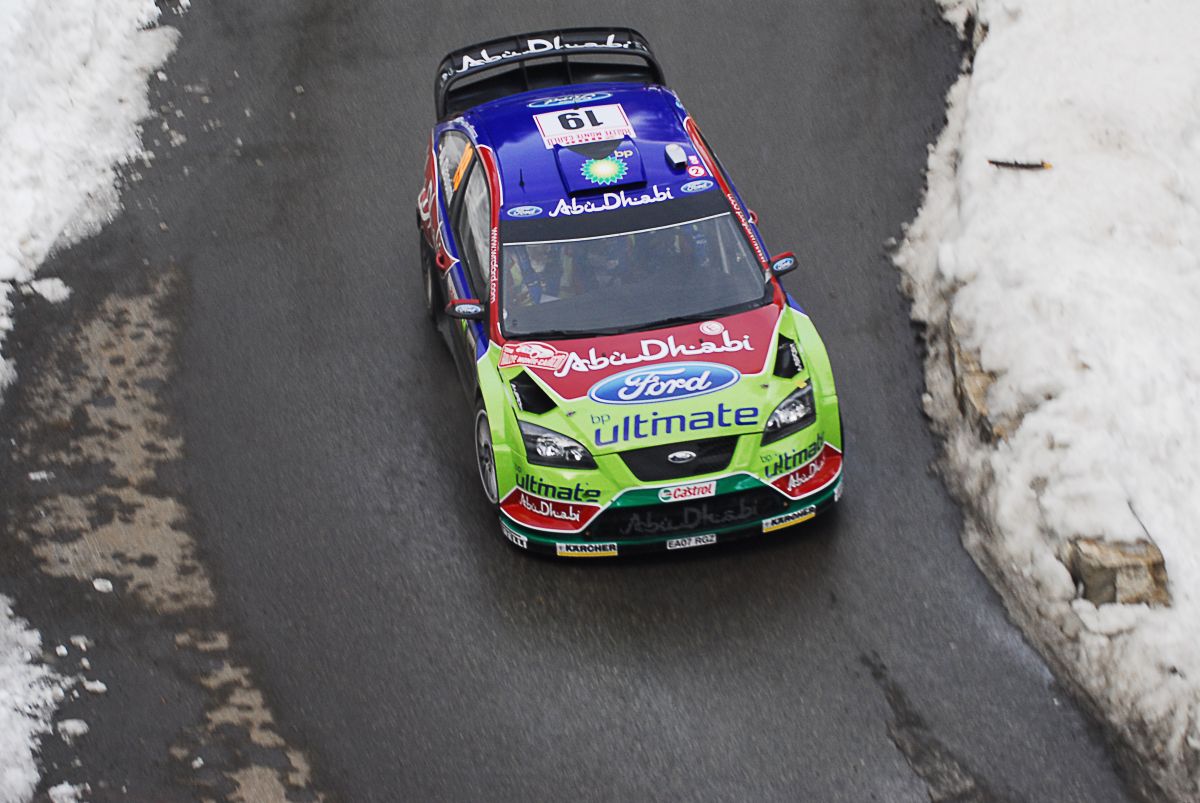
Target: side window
{"type": "Point", "coordinates": [474, 228]}
{"type": "Point", "coordinates": [454, 156]}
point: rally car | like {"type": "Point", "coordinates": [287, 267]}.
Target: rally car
{"type": "Point", "coordinates": [641, 380]}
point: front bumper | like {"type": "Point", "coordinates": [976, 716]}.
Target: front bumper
{"type": "Point", "coordinates": [613, 536]}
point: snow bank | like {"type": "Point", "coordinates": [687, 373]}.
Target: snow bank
{"type": "Point", "coordinates": [1078, 289]}
{"type": "Point", "coordinates": [28, 695]}
{"type": "Point", "coordinates": [72, 90]}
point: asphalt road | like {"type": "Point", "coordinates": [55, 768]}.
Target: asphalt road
{"type": "Point", "coordinates": [329, 470]}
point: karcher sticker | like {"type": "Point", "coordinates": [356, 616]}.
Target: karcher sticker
{"type": "Point", "coordinates": [586, 550]}
{"type": "Point", "coordinates": [788, 519]}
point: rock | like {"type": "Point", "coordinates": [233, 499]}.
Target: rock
{"type": "Point", "coordinates": [971, 385]}
{"type": "Point", "coordinates": [1119, 571]}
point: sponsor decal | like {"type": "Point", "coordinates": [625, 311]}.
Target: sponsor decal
{"type": "Point", "coordinates": [524, 211]}
{"type": "Point", "coordinates": [494, 264]}
{"type": "Point", "coordinates": [788, 519]}
{"type": "Point", "coordinates": [798, 478]}
{"type": "Point", "coordinates": [609, 170]}
{"type": "Point", "coordinates": [468, 309]}
{"type": "Point", "coordinates": [682, 456]}
{"type": "Point", "coordinates": [514, 536]}
{"type": "Point", "coordinates": [542, 513]}
{"type": "Point", "coordinates": [697, 186]}
{"type": "Point", "coordinates": [693, 159]}
{"type": "Point", "coordinates": [535, 45]}
{"type": "Point", "coordinates": [837, 492]}
{"type": "Point", "coordinates": [783, 463]}
{"type": "Point", "coordinates": [784, 264]}
{"type": "Point", "coordinates": [580, 126]}
{"type": "Point", "coordinates": [638, 426]}
{"type": "Point", "coordinates": [533, 354]}
{"type": "Point", "coordinates": [695, 171]}
{"type": "Point", "coordinates": [544, 507]}
{"type": "Point", "coordinates": [668, 382]}
{"type": "Point", "coordinates": [811, 477]}
{"type": "Point", "coordinates": [564, 493]}
{"type": "Point", "coordinates": [691, 541]}
{"type": "Point", "coordinates": [653, 349]}
{"type": "Point", "coordinates": [745, 224]}
{"type": "Point", "coordinates": [610, 201]}
{"type": "Point", "coordinates": [745, 346]}
{"type": "Point", "coordinates": [695, 490]}
{"type": "Point", "coordinates": [699, 516]}
{"type": "Point", "coordinates": [568, 100]}
{"type": "Point", "coordinates": [712, 328]}
{"type": "Point", "coordinates": [586, 550]}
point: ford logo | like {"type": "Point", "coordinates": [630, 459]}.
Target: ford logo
{"type": "Point", "coordinates": [680, 457]}
{"type": "Point", "coordinates": [525, 211]}
{"type": "Point", "coordinates": [669, 382]}
{"type": "Point", "coordinates": [568, 100]}
{"type": "Point", "coordinates": [699, 185]}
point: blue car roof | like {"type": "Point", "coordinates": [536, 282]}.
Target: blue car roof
{"type": "Point", "coordinates": [539, 174]}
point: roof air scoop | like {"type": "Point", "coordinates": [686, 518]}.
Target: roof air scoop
{"type": "Point", "coordinates": [599, 165]}
{"type": "Point", "coordinates": [676, 156]}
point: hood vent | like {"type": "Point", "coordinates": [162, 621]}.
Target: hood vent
{"type": "Point", "coordinates": [530, 396]}
{"type": "Point", "coordinates": [788, 361]}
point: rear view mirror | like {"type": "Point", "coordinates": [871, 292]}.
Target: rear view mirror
{"type": "Point", "coordinates": [783, 263]}
{"type": "Point", "coordinates": [465, 309]}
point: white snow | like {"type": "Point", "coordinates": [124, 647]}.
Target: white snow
{"type": "Point", "coordinates": [72, 90]}
{"type": "Point", "coordinates": [71, 729]}
{"type": "Point", "coordinates": [53, 290]}
{"type": "Point", "coordinates": [27, 701]}
{"type": "Point", "coordinates": [67, 792]}
{"type": "Point", "coordinates": [1078, 287]}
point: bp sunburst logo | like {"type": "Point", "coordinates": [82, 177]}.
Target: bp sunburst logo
{"type": "Point", "coordinates": [608, 170]}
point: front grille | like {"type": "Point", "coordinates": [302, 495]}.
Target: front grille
{"type": "Point", "coordinates": [659, 521]}
{"type": "Point", "coordinates": [652, 464]}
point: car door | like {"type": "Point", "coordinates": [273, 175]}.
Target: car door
{"type": "Point", "coordinates": [471, 226]}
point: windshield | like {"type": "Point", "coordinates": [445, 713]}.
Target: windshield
{"type": "Point", "coordinates": [693, 269]}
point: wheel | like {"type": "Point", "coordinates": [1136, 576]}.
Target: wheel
{"type": "Point", "coordinates": [485, 457]}
{"type": "Point", "coordinates": [432, 294]}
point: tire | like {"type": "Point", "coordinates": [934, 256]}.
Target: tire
{"type": "Point", "coordinates": [485, 457]}
{"type": "Point", "coordinates": [433, 295]}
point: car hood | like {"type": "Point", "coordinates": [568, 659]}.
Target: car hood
{"type": "Point", "coordinates": [571, 369]}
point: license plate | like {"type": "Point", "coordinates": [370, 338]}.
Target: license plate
{"type": "Point", "coordinates": [691, 541]}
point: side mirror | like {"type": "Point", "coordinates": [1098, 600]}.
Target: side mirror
{"type": "Point", "coordinates": [783, 263]}
{"type": "Point", "coordinates": [466, 309]}
{"type": "Point", "coordinates": [753, 216]}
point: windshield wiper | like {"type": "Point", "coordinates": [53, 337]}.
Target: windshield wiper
{"type": "Point", "coordinates": [565, 334]}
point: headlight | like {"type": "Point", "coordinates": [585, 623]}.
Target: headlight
{"type": "Point", "coordinates": [793, 414]}
{"type": "Point", "coordinates": [546, 448]}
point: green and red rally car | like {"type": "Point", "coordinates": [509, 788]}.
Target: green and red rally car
{"type": "Point", "coordinates": [641, 379]}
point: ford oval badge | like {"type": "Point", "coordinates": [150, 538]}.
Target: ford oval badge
{"type": "Point", "coordinates": [525, 211]}
{"type": "Point", "coordinates": [668, 382]}
{"type": "Point", "coordinates": [682, 456]}
{"type": "Point", "coordinates": [699, 185]}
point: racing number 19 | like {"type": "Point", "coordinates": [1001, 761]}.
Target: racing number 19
{"type": "Point", "coordinates": [571, 120]}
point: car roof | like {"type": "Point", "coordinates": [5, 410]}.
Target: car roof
{"type": "Point", "coordinates": [536, 174]}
